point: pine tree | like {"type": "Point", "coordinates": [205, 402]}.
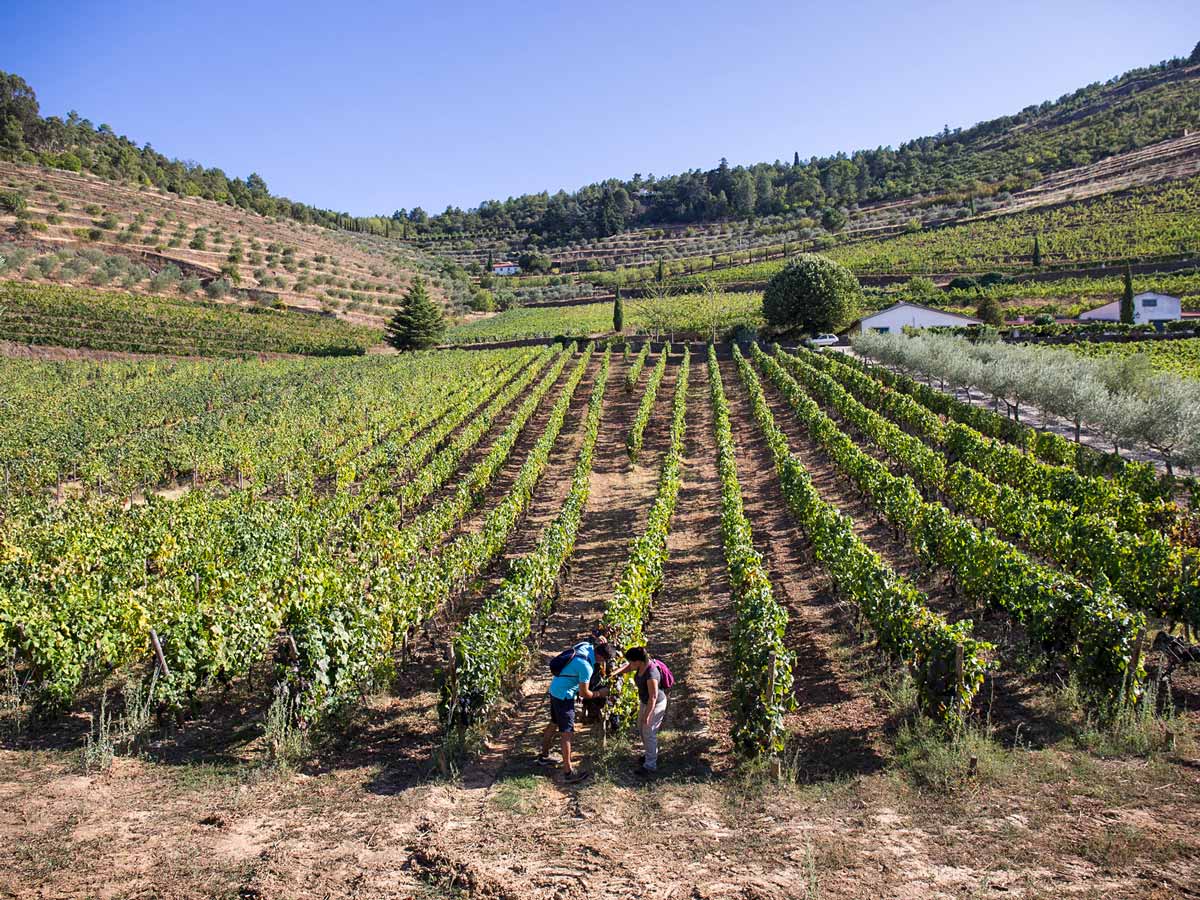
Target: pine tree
{"type": "Point", "coordinates": [418, 323]}
{"type": "Point", "coordinates": [618, 314]}
{"type": "Point", "coordinates": [1037, 251]}
{"type": "Point", "coordinates": [1127, 298]}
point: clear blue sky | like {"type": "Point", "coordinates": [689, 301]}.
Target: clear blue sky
{"type": "Point", "coordinates": [368, 109]}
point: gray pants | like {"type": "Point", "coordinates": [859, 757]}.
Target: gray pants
{"type": "Point", "coordinates": [650, 729]}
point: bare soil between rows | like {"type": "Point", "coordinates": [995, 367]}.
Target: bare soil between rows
{"type": "Point", "coordinates": [371, 816]}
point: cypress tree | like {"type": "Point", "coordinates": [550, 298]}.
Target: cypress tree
{"type": "Point", "coordinates": [1127, 297]}
{"type": "Point", "coordinates": [1037, 250]}
{"type": "Point", "coordinates": [618, 314]}
{"type": "Point", "coordinates": [796, 159]}
{"type": "Point", "coordinates": [418, 323]}
{"type": "Point", "coordinates": [661, 272]}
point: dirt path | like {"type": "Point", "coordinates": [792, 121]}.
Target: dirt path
{"type": "Point", "coordinates": [1016, 703]}
{"type": "Point", "coordinates": [689, 625]}
{"type": "Point", "coordinates": [838, 726]}
{"type": "Point", "coordinates": [620, 495]}
{"type": "Point", "coordinates": [575, 838]}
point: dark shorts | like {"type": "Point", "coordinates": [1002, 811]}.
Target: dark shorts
{"type": "Point", "coordinates": [562, 714]}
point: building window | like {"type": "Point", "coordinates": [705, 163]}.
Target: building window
{"type": "Point", "coordinates": [1149, 302]}
{"type": "Point", "coordinates": [882, 330]}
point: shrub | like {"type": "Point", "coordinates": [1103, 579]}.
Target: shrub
{"type": "Point", "coordinates": [811, 293]}
{"type": "Point", "coordinates": [166, 278]}
{"type": "Point", "coordinates": [989, 311]}
{"type": "Point", "coordinates": [482, 301]}
{"type": "Point", "coordinates": [11, 202]}
{"type": "Point", "coordinates": [67, 161]}
{"type": "Point", "coordinates": [218, 288]}
{"type": "Point", "coordinates": [189, 285]}
{"type": "Point", "coordinates": [13, 258]}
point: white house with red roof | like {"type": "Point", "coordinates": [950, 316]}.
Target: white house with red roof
{"type": "Point", "coordinates": [506, 268]}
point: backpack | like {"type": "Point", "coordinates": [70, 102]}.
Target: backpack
{"type": "Point", "coordinates": [665, 679]}
{"type": "Point", "coordinates": [563, 659]}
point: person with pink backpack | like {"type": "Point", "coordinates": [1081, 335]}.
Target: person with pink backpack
{"type": "Point", "coordinates": [654, 682]}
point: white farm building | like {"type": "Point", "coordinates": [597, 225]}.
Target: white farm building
{"type": "Point", "coordinates": [506, 268]}
{"type": "Point", "coordinates": [903, 315]}
{"type": "Point", "coordinates": [1148, 308]}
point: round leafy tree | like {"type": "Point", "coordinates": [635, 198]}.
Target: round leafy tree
{"type": "Point", "coordinates": [418, 323]}
{"type": "Point", "coordinates": [811, 294]}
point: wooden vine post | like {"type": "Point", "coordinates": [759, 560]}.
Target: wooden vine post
{"type": "Point", "coordinates": [958, 671]}
{"type": "Point", "coordinates": [775, 765]}
{"type": "Point", "coordinates": [159, 658]}
{"type": "Point", "coordinates": [1136, 661]}
{"type": "Point", "coordinates": [443, 760]}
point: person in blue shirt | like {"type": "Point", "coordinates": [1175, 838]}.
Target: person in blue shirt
{"type": "Point", "coordinates": [573, 681]}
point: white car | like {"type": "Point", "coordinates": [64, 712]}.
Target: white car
{"type": "Point", "coordinates": [823, 340]}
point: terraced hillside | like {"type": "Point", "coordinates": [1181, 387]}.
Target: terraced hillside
{"type": "Point", "coordinates": [721, 245]}
{"type": "Point", "coordinates": [1103, 137]}
{"type": "Point", "coordinates": [78, 229]}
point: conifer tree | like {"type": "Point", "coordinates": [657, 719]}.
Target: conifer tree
{"type": "Point", "coordinates": [1037, 250]}
{"type": "Point", "coordinates": [661, 272]}
{"type": "Point", "coordinates": [618, 314]}
{"type": "Point", "coordinates": [1127, 298]}
{"type": "Point", "coordinates": [418, 323]}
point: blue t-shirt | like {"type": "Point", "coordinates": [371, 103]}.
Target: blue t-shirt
{"type": "Point", "coordinates": [565, 686]}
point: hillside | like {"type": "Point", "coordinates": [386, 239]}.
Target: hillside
{"type": "Point", "coordinates": [1102, 175]}
{"type": "Point", "coordinates": [1139, 109]}
{"type": "Point", "coordinates": [716, 247]}
{"type": "Point", "coordinates": [77, 228]}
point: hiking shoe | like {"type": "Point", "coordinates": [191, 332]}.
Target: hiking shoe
{"type": "Point", "coordinates": [646, 773]}
{"type": "Point", "coordinates": [545, 761]}
{"type": "Point", "coordinates": [576, 777]}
